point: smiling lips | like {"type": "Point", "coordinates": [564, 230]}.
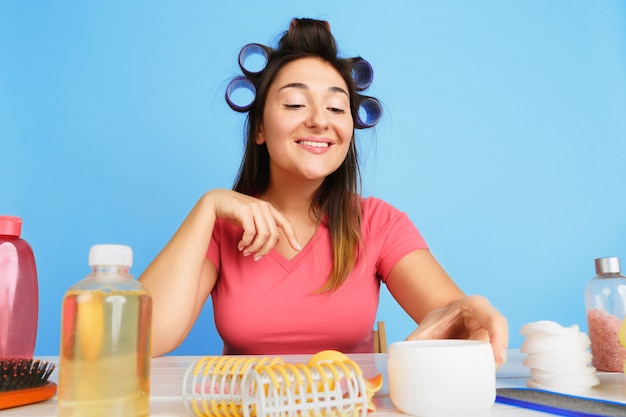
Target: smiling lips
{"type": "Point", "coordinates": [314, 144]}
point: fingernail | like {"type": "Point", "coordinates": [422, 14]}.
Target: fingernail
{"type": "Point", "coordinates": [503, 355]}
{"type": "Point", "coordinates": [257, 257]}
{"type": "Point", "coordinates": [246, 254]}
{"type": "Point", "coordinates": [298, 246]}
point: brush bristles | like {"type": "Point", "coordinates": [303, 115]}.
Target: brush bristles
{"type": "Point", "coordinates": [23, 373]}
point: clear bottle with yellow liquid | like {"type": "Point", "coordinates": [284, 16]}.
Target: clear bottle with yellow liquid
{"type": "Point", "coordinates": [104, 361]}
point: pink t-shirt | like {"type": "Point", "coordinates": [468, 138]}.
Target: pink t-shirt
{"type": "Point", "coordinates": [270, 306]}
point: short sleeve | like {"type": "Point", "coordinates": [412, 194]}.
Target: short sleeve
{"type": "Point", "coordinates": [390, 233]}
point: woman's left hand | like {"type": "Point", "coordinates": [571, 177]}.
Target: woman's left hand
{"type": "Point", "coordinates": [471, 317]}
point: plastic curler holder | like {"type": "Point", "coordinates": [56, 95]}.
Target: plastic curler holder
{"type": "Point", "coordinates": [234, 386]}
{"type": "Point", "coordinates": [238, 94]}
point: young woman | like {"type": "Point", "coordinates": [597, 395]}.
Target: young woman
{"type": "Point", "coordinates": [293, 256]}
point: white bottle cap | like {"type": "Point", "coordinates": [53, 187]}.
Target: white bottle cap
{"type": "Point", "coordinates": [119, 255]}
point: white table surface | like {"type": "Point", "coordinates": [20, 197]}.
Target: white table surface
{"type": "Point", "coordinates": [167, 374]}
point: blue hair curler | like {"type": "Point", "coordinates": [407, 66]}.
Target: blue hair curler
{"type": "Point", "coordinates": [253, 58]}
{"type": "Point", "coordinates": [362, 73]}
{"type": "Point", "coordinates": [238, 94]}
{"type": "Point", "coordinates": [369, 112]}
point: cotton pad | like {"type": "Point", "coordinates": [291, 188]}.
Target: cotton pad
{"type": "Point", "coordinates": [558, 357]}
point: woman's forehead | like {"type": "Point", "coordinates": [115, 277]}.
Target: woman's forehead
{"type": "Point", "coordinates": [310, 71]}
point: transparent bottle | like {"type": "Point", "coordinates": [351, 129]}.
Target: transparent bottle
{"type": "Point", "coordinates": [605, 302]}
{"type": "Point", "coordinates": [104, 361]}
{"type": "Point", "coordinates": [19, 298]}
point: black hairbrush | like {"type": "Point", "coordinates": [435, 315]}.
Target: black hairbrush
{"type": "Point", "coordinates": [25, 381]}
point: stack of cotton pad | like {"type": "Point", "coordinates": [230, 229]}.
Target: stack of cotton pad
{"type": "Point", "coordinates": [557, 357]}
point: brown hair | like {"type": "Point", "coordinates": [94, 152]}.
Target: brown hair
{"type": "Point", "coordinates": [337, 201]}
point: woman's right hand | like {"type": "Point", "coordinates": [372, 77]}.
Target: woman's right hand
{"type": "Point", "coordinates": [261, 222]}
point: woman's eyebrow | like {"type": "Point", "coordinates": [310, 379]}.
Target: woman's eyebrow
{"type": "Point", "coordinates": [303, 86]}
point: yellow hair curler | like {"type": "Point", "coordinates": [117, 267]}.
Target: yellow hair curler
{"type": "Point", "coordinates": [329, 385]}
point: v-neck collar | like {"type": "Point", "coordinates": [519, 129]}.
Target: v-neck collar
{"type": "Point", "coordinates": [289, 264]}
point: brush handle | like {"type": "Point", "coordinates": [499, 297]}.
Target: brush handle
{"type": "Point", "coordinates": [26, 396]}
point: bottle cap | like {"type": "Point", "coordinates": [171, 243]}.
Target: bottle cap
{"type": "Point", "coordinates": [10, 226]}
{"type": "Point", "coordinates": [608, 265]}
{"type": "Point", "coordinates": [120, 255]}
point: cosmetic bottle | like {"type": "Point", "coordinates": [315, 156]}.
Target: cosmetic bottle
{"type": "Point", "coordinates": [104, 361]}
{"type": "Point", "coordinates": [605, 303]}
{"type": "Point", "coordinates": [19, 299]}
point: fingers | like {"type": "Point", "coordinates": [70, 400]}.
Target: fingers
{"type": "Point", "coordinates": [471, 318]}
{"type": "Point", "coordinates": [264, 235]}
{"type": "Point", "coordinates": [499, 337]}
{"type": "Point", "coordinates": [488, 318]}
{"type": "Point", "coordinates": [262, 225]}
{"type": "Point", "coordinates": [285, 225]}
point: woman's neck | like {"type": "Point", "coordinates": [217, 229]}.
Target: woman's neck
{"type": "Point", "coordinates": [289, 198]}
{"type": "Point", "coordinates": [294, 202]}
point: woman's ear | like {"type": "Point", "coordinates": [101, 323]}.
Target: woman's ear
{"type": "Point", "coordinates": [260, 137]}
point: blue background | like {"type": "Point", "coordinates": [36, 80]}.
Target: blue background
{"type": "Point", "coordinates": [503, 137]}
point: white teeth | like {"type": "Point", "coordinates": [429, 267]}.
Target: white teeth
{"type": "Point", "coordinates": [314, 144]}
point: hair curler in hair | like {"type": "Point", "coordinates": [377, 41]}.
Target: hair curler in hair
{"type": "Point", "coordinates": [253, 58]}
{"type": "Point", "coordinates": [237, 94]}
{"type": "Point", "coordinates": [369, 112]}
{"type": "Point", "coordinates": [362, 73]}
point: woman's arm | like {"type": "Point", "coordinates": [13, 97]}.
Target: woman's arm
{"type": "Point", "coordinates": [181, 278]}
{"type": "Point", "coordinates": [428, 294]}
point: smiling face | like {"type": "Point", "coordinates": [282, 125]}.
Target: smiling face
{"type": "Point", "coordinates": [307, 123]}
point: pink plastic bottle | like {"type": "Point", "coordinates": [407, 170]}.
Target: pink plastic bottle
{"type": "Point", "coordinates": [19, 298]}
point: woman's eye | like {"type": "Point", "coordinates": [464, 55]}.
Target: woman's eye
{"type": "Point", "coordinates": [336, 110]}
{"type": "Point", "coordinates": [294, 106]}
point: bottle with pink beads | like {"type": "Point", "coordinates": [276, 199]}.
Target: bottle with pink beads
{"type": "Point", "coordinates": [19, 298]}
{"type": "Point", "coordinates": [605, 302]}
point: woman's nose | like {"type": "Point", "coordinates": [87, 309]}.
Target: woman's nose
{"type": "Point", "coordinates": [318, 118]}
